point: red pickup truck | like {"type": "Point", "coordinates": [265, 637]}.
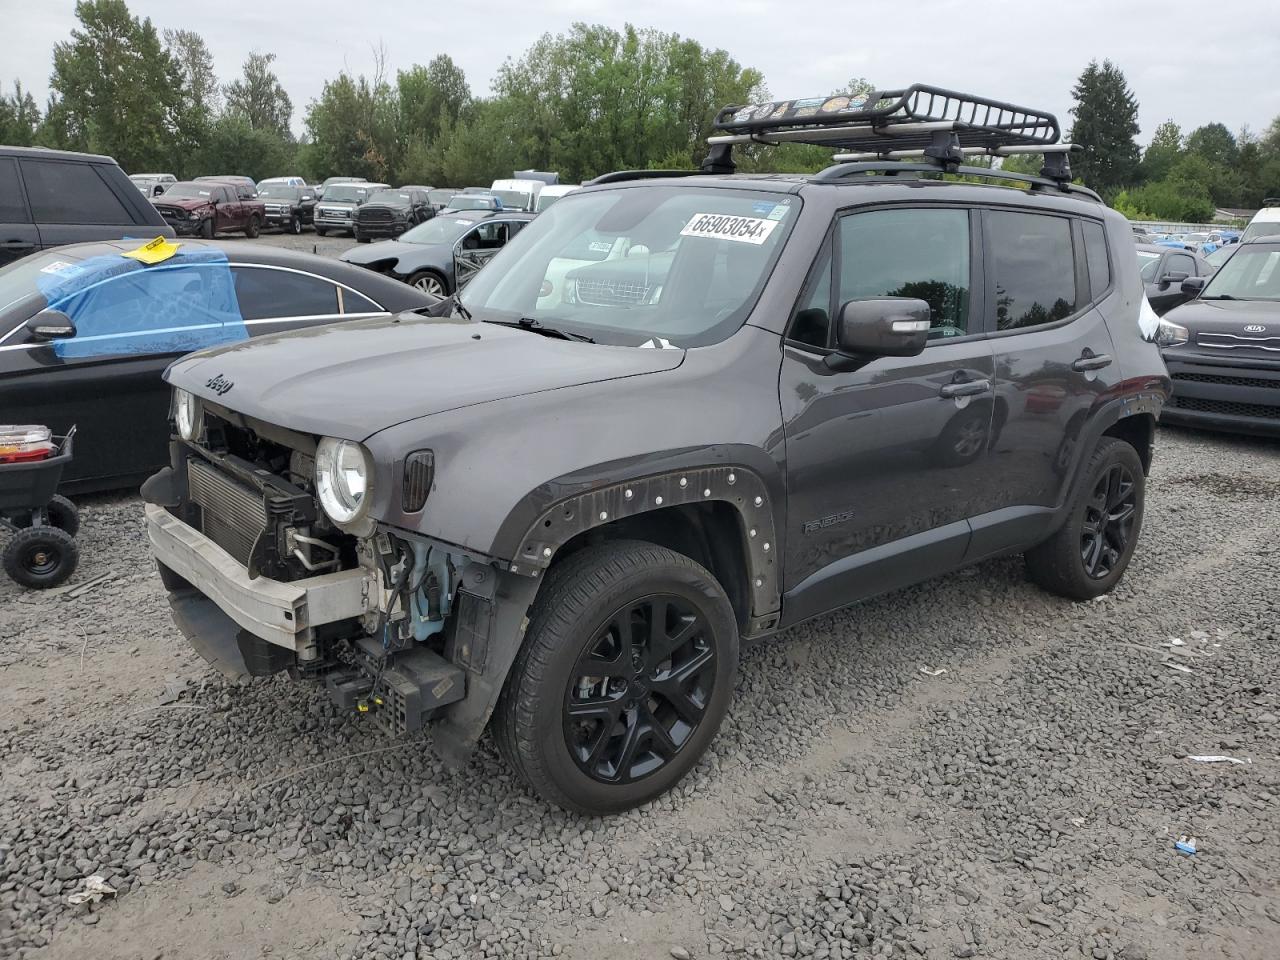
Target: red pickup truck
{"type": "Point", "coordinates": [206, 207]}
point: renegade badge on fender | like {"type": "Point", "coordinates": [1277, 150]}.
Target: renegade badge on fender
{"type": "Point", "coordinates": [672, 413]}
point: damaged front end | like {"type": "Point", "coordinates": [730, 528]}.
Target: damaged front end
{"type": "Point", "coordinates": [397, 626]}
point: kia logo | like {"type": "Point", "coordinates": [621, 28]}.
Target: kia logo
{"type": "Point", "coordinates": [1255, 328]}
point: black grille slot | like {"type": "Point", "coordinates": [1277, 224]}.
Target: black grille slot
{"type": "Point", "coordinates": [374, 216]}
{"type": "Point", "coordinates": [1260, 411]}
{"type": "Point", "coordinates": [232, 514]}
{"type": "Point", "coordinates": [418, 469]}
{"type": "Point", "coordinates": [1228, 380]}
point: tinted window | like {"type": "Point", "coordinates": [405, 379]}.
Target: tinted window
{"type": "Point", "coordinates": [70, 193]}
{"type": "Point", "coordinates": [812, 322]}
{"type": "Point", "coordinates": [353, 302]}
{"type": "Point", "coordinates": [1095, 251]}
{"type": "Point", "coordinates": [916, 253]}
{"type": "Point", "coordinates": [266, 294]}
{"type": "Point", "coordinates": [13, 209]}
{"type": "Point", "coordinates": [1034, 269]}
{"type": "Point", "coordinates": [1181, 263]}
{"type": "Point", "coordinates": [1150, 263]}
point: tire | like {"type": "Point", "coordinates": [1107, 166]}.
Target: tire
{"type": "Point", "coordinates": [206, 229]}
{"type": "Point", "coordinates": [253, 228]}
{"type": "Point", "coordinates": [64, 515]}
{"type": "Point", "coordinates": [321, 231]}
{"type": "Point", "coordinates": [40, 557]}
{"type": "Point", "coordinates": [361, 238]}
{"type": "Point", "coordinates": [1088, 555]}
{"type": "Point", "coordinates": [428, 281]}
{"type": "Point", "coordinates": [295, 225]}
{"type": "Point", "coordinates": [581, 611]}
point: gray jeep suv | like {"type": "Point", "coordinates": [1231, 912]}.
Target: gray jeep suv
{"type": "Point", "coordinates": [675, 413]}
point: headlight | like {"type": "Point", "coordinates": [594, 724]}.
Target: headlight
{"type": "Point", "coordinates": [343, 475]}
{"type": "Point", "coordinates": [186, 414]}
{"type": "Point", "coordinates": [1171, 334]}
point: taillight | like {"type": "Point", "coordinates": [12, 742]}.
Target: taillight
{"type": "Point", "coordinates": [419, 470]}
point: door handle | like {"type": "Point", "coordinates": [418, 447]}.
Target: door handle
{"type": "Point", "coordinates": [1092, 362]}
{"type": "Point", "coordinates": [964, 388]}
{"type": "Point", "coordinates": [17, 244]}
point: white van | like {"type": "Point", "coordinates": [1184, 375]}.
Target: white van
{"type": "Point", "coordinates": [551, 193]}
{"type": "Point", "coordinates": [518, 194]}
{"type": "Point", "coordinates": [1266, 222]}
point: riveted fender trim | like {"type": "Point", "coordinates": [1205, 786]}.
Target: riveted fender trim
{"type": "Point", "coordinates": [739, 486]}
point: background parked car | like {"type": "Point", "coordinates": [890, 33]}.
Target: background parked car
{"type": "Point", "coordinates": [1163, 270]}
{"type": "Point", "coordinates": [330, 181]}
{"type": "Point", "coordinates": [152, 184]}
{"type": "Point", "coordinates": [1225, 376]}
{"type": "Point", "coordinates": [441, 255]}
{"type": "Point", "coordinates": [281, 181]}
{"type": "Point", "coordinates": [1266, 222]}
{"type": "Point", "coordinates": [208, 207]}
{"type": "Point", "coordinates": [123, 323]}
{"type": "Point", "coordinates": [50, 197]}
{"type": "Point", "coordinates": [474, 201]}
{"type": "Point", "coordinates": [336, 210]}
{"type": "Point", "coordinates": [389, 213]}
{"type": "Point", "coordinates": [1221, 255]}
{"type": "Point", "coordinates": [440, 197]}
{"type": "Point", "coordinates": [551, 193]}
{"type": "Point", "coordinates": [288, 207]}
{"type": "Point", "coordinates": [246, 189]}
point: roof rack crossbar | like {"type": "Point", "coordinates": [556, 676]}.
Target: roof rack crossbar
{"type": "Point", "coordinates": [892, 167]}
{"type": "Point", "coordinates": [966, 151]}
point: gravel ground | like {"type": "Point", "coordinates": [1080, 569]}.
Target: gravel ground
{"type": "Point", "coordinates": [858, 803]}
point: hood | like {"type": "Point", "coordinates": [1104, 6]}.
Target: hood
{"type": "Point", "coordinates": [384, 205]}
{"type": "Point", "coordinates": [411, 255]}
{"type": "Point", "coordinates": [182, 203]}
{"type": "Point", "coordinates": [1231, 328]}
{"type": "Point", "coordinates": [350, 380]}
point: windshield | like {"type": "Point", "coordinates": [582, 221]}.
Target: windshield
{"type": "Point", "coordinates": [1220, 256]}
{"type": "Point", "coordinates": [395, 197]}
{"type": "Point", "coordinates": [545, 200]}
{"type": "Point", "coordinates": [278, 191]}
{"type": "Point", "coordinates": [346, 192]}
{"type": "Point", "coordinates": [1148, 263]}
{"type": "Point", "coordinates": [1261, 228]}
{"type": "Point", "coordinates": [1253, 273]}
{"type": "Point", "coordinates": [683, 265]}
{"type": "Point", "coordinates": [191, 191]}
{"type": "Point", "coordinates": [472, 201]}
{"type": "Point", "coordinates": [513, 199]}
{"type": "Point", "coordinates": [442, 229]}
{"type": "Point", "coordinates": [441, 196]}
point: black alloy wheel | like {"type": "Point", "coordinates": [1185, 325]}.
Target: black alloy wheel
{"type": "Point", "coordinates": [639, 689]}
{"type": "Point", "coordinates": [1108, 521]}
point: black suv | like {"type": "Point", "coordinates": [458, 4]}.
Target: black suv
{"type": "Point", "coordinates": [51, 197]}
{"type": "Point", "coordinates": [673, 414]}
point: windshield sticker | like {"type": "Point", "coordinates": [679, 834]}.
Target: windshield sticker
{"type": "Point", "coordinates": [58, 266]}
{"type": "Point", "coordinates": [778, 212]}
{"type": "Point", "coordinates": [762, 207]}
{"type": "Point", "coordinates": [717, 226]}
{"type": "Point", "coordinates": [599, 246]}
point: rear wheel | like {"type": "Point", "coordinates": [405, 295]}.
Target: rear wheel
{"type": "Point", "coordinates": [253, 228]}
{"type": "Point", "coordinates": [428, 281]}
{"type": "Point", "coordinates": [1090, 552]}
{"type": "Point", "coordinates": [64, 515]}
{"type": "Point", "coordinates": [623, 679]}
{"type": "Point", "coordinates": [40, 557]}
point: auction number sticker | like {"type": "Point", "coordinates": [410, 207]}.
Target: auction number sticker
{"type": "Point", "coordinates": [719, 226]}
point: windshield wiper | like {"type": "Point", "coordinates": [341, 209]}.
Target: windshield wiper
{"type": "Point", "coordinates": [1220, 296]}
{"type": "Point", "coordinates": [534, 325]}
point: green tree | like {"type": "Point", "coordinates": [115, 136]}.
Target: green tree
{"type": "Point", "coordinates": [353, 129]}
{"type": "Point", "coordinates": [113, 88]}
{"type": "Point", "coordinates": [1106, 125]}
{"type": "Point", "coordinates": [1163, 151]}
{"type": "Point", "coordinates": [233, 145]}
{"type": "Point", "coordinates": [196, 104]}
{"type": "Point", "coordinates": [431, 96]}
{"type": "Point", "coordinates": [19, 117]}
{"type": "Point", "coordinates": [259, 97]}
{"type": "Point", "coordinates": [1215, 144]}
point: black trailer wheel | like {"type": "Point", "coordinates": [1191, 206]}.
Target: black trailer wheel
{"type": "Point", "coordinates": [1088, 555]}
{"type": "Point", "coordinates": [64, 515]}
{"type": "Point", "coordinates": [624, 677]}
{"type": "Point", "coordinates": [40, 557]}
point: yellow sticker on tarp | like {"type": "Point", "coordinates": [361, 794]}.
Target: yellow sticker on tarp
{"type": "Point", "coordinates": [154, 251]}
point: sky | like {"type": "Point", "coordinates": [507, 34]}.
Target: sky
{"type": "Point", "coordinates": [1182, 59]}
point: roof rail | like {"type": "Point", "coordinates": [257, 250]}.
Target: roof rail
{"type": "Point", "coordinates": [892, 167]}
{"type": "Point", "coordinates": [937, 125]}
{"type": "Point", "coordinates": [622, 176]}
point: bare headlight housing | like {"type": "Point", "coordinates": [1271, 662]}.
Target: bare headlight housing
{"type": "Point", "coordinates": [187, 415]}
{"type": "Point", "coordinates": [344, 477]}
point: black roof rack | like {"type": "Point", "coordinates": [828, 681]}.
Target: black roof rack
{"type": "Point", "coordinates": [937, 126]}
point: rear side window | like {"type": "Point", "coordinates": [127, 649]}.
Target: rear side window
{"type": "Point", "coordinates": [353, 302]}
{"type": "Point", "coordinates": [13, 209]}
{"type": "Point", "coordinates": [1034, 267]}
{"type": "Point", "coordinates": [268, 294]}
{"type": "Point", "coordinates": [1095, 252]}
{"type": "Point", "coordinates": [62, 192]}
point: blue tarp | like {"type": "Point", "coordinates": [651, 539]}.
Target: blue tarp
{"type": "Point", "coordinates": [122, 307]}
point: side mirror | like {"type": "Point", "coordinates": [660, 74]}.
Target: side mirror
{"type": "Point", "coordinates": [51, 325]}
{"type": "Point", "coordinates": [882, 327]}
{"type": "Point", "coordinates": [1193, 285]}
{"type": "Point", "coordinates": [1175, 276]}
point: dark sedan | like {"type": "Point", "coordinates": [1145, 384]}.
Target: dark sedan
{"type": "Point", "coordinates": [389, 213]}
{"type": "Point", "coordinates": [1226, 376]}
{"type": "Point", "coordinates": [441, 255]}
{"type": "Point", "coordinates": [1163, 270]}
{"type": "Point", "coordinates": [86, 332]}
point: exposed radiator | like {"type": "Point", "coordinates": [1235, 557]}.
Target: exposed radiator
{"type": "Point", "coordinates": [232, 514]}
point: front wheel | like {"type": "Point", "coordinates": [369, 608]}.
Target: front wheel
{"type": "Point", "coordinates": [624, 677]}
{"type": "Point", "coordinates": [206, 229]}
{"type": "Point", "coordinates": [1088, 555]}
{"type": "Point", "coordinates": [321, 231]}
{"type": "Point", "coordinates": [430, 282]}
{"type": "Point", "coordinates": [253, 228]}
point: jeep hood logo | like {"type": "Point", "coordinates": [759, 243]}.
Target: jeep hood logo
{"type": "Point", "coordinates": [219, 384]}
{"type": "Point", "coordinates": [1255, 328]}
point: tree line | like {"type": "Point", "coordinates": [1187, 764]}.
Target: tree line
{"type": "Point", "coordinates": [582, 103]}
